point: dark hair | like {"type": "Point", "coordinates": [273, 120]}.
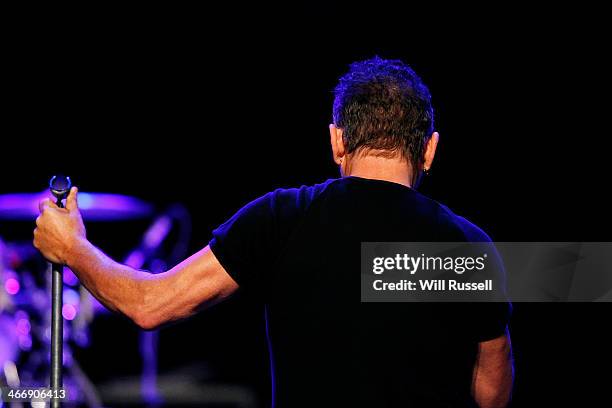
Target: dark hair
{"type": "Point", "coordinates": [383, 104]}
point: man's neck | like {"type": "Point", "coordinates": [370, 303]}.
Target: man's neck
{"type": "Point", "coordinates": [395, 170]}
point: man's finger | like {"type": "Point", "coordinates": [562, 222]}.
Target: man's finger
{"type": "Point", "coordinates": [46, 203]}
{"type": "Point", "coordinates": [72, 200]}
{"type": "Point", "coordinates": [35, 239]}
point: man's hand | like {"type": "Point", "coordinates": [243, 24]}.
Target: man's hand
{"type": "Point", "coordinates": [58, 230]}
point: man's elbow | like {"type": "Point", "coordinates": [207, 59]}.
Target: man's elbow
{"type": "Point", "coordinates": [145, 313]}
{"type": "Point", "coordinates": [146, 320]}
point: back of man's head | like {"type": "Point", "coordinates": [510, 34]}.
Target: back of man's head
{"type": "Point", "coordinates": [383, 105]}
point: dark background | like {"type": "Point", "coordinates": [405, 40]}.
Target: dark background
{"type": "Point", "coordinates": [168, 108]}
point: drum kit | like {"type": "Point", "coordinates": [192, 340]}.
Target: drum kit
{"type": "Point", "coordinates": [25, 291]}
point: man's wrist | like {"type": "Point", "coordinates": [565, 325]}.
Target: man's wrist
{"type": "Point", "coordinates": [75, 251]}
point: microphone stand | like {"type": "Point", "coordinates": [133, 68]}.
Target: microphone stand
{"type": "Point", "coordinates": [59, 186]}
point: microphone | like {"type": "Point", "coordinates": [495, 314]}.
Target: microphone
{"type": "Point", "coordinates": [60, 187]}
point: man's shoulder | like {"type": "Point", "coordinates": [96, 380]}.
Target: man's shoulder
{"type": "Point", "coordinates": [300, 197]}
{"type": "Point", "coordinates": [453, 226]}
{"type": "Point", "coordinates": [468, 230]}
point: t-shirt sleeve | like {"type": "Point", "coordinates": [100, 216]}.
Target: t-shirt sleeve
{"type": "Point", "coordinates": [494, 315]}
{"type": "Point", "coordinates": [490, 318]}
{"type": "Point", "coordinates": [248, 244]}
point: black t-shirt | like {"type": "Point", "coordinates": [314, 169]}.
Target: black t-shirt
{"type": "Point", "coordinates": [299, 251]}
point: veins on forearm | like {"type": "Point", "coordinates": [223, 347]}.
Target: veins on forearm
{"type": "Point", "coordinates": [119, 287]}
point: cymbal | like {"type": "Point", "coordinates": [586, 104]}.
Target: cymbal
{"type": "Point", "coordinates": [93, 206]}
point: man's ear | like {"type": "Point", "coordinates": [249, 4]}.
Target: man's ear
{"type": "Point", "coordinates": [337, 143]}
{"type": "Point", "coordinates": [430, 150]}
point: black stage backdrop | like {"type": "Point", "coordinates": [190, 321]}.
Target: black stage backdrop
{"type": "Point", "coordinates": [176, 111]}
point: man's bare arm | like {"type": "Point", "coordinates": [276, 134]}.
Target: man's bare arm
{"type": "Point", "coordinates": [149, 300]}
{"type": "Point", "coordinates": [152, 300]}
{"type": "Point", "coordinates": [493, 373]}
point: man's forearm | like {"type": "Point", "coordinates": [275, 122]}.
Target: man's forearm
{"type": "Point", "coordinates": [119, 287]}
